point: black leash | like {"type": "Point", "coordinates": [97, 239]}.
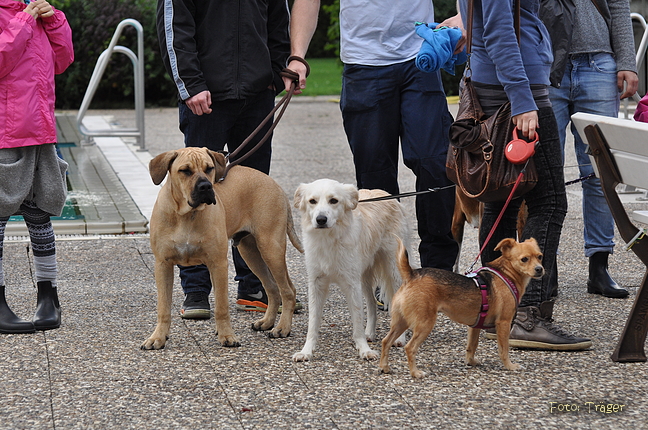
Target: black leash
{"type": "Point", "coordinates": [413, 193]}
{"type": "Point", "coordinates": [437, 189]}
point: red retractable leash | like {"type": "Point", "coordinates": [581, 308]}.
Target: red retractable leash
{"type": "Point", "coordinates": [517, 151]}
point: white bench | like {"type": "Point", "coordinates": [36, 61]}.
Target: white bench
{"type": "Point", "coordinates": [619, 150]}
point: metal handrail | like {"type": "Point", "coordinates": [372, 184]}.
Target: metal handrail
{"type": "Point", "coordinates": [138, 69]}
{"type": "Point", "coordinates": [640, 57]}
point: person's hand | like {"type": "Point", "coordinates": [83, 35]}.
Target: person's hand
{"type": "Point", "coordinates": [200, 103]}
{"type": "Point", "coordinates": [455, 21]}
{"type": "Point", "coordinates": [44, 8]}
{"type": "Point", "coordinates": [32, 9]}
{"type": "Point", "coordinates": [299, 68]}
{"type": "Point", "coordinates": [632, 81]}
{"type": "Point", "coordinates": [527, 123]}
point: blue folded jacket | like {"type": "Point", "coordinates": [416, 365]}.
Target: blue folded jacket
{"type": "Point", "coordinates": [437, 49]}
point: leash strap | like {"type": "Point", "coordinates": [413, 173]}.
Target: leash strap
{"type": "Point", "coordinates": [413, 193]}
{"type": "Point", "coordinates": [499, 217]}
{"type": "Point", "coordinates": [283, 103]}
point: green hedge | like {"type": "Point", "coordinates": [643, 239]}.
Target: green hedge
{"type": "Point", "coordinates": [94, 22]}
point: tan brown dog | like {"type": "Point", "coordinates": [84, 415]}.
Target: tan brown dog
{"type": "Point", "coordinates": [426, 292]}
{"type": "Point", "coordinates": [192, 221]}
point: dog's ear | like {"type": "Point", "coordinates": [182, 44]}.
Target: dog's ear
{"type": "Point", "coordinates": [352, 192]}
{"type": "Point", "coordinates": [505, 245]}
{"type": "Point", "coordinates": [219, 163]}
{"type": "Point", "coordinates": [159, 166]}
{"type": "Point", "coordinates": [299, 196]}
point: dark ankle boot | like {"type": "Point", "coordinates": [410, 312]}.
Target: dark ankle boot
{"type": "Point", "coordinates": [48, 309]}
{"type": "Point", "coordinates": [533, 328]}
{"type": "Point", "coordinates": [9, 322]}
{"type": "Point", "coordinates": [600, 281]}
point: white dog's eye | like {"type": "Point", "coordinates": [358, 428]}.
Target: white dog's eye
{"type": "Point", "coordinates": [333, 201]}
{"type": "Point", "coordinates": [312, 201]}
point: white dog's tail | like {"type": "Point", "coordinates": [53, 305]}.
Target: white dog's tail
{"type": "Point", "coordinates": [290, 230]}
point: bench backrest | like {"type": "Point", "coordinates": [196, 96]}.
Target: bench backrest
{"type": "Point", "coordinates": [628, 142]}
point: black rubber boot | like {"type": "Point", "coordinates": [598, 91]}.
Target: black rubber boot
{"type": "Point", "coordinates": [600, 281]}
{"type": "Point", "coordinates": [48, 309]}
{"type": "Point", "coordinates": [9, 322]}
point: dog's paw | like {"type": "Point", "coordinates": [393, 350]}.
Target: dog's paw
{"type": "Point", "coordinates": [229, 341]}
{"type": "Point", "coordinates": [401, 341]}
{"type": "Point", "coordinates": [513, 366]}
{"type": "Point", "coordinates": [278, 333]}
{"type": "Point", "coordinates": [371, 337]}
{"type": "Point", "coordinates": [302, 356]}
{"type": "Point", "coordinates": [386, 370]}
{"type": "Point", "coordinates": [418, 374]}
{"type": "Point", "coordinates": [261, 326]}
{"type": "Point", "coordinates": [369, 354]}
{"type": "Point", "coordinates": [153, 343]}
{"type": "Point", "coordinates": [473, 362]}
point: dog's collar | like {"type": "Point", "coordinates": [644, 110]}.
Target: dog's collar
{"type": "Point", "coordinates": [483, 288]}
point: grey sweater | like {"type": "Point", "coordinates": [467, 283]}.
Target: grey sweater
{"type": "Point", "coordinates": [591, 33]}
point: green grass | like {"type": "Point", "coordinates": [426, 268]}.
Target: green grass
{"type": "Point", "coordinates": [325, 78]}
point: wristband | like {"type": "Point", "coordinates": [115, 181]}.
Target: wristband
{"type": "Point", "coordinates": [301, 60]}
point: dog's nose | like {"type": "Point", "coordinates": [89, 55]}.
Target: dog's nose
{"type": "Point", "coordinates": [321, 220]}
{"type": "Point", "coordinates": [539, 271]}
{"type": "Point", "coordinates": [203, 186]}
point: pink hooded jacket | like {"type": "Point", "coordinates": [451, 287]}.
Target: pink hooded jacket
{"type": "Point", "coordinates": [641, 114]}
{"type": "Point", "coordinates": [31, 52]}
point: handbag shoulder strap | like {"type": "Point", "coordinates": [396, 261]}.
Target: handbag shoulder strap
{"type": "Point", "coordinates": [469, 21]}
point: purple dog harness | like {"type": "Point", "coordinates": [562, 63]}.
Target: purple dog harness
{"type": "Point", "coordinates": [481, 284]}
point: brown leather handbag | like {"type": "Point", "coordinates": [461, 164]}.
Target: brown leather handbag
{"type": "Point", "coordinates": [476, 159]}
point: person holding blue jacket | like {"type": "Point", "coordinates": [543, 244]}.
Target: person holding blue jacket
{"type": "Point", "coordinates": [388, 104]}
{"type": "Point", "coordinates": [505, 69]}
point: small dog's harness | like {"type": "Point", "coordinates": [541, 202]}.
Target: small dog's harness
{"type": "Point", "coordinates": [483, 287]}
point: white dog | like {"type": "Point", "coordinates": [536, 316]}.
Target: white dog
{"type": "Point", "coordinates": [352, 245]}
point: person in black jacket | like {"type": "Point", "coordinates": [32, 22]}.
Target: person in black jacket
{"type": "Point", "coordinates": [225, 59]}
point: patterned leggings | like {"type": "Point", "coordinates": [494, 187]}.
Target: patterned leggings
{"type": "Point", "coordinates": [42, 239]}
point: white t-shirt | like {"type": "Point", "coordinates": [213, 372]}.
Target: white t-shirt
{"type": "Point", "coordinates": [381, 32]}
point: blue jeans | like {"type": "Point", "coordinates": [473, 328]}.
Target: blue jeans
{"type": "Point", "coordinates": [383, 106]}
{"type": "Point", "coordinates": [547, 206]}
{"type": "Point", "coordinates": [230, 122]}
{"type": "Point", "coordinates": [589, 85]}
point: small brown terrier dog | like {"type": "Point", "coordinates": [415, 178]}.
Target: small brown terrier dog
{"type": "Point", "coordinates": [426, 292]}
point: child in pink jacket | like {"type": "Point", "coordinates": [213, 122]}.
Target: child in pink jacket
{"type": "Point", "coordinates": [35, 44]}
{"type": "Point", "coordinates": [641, 113]}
